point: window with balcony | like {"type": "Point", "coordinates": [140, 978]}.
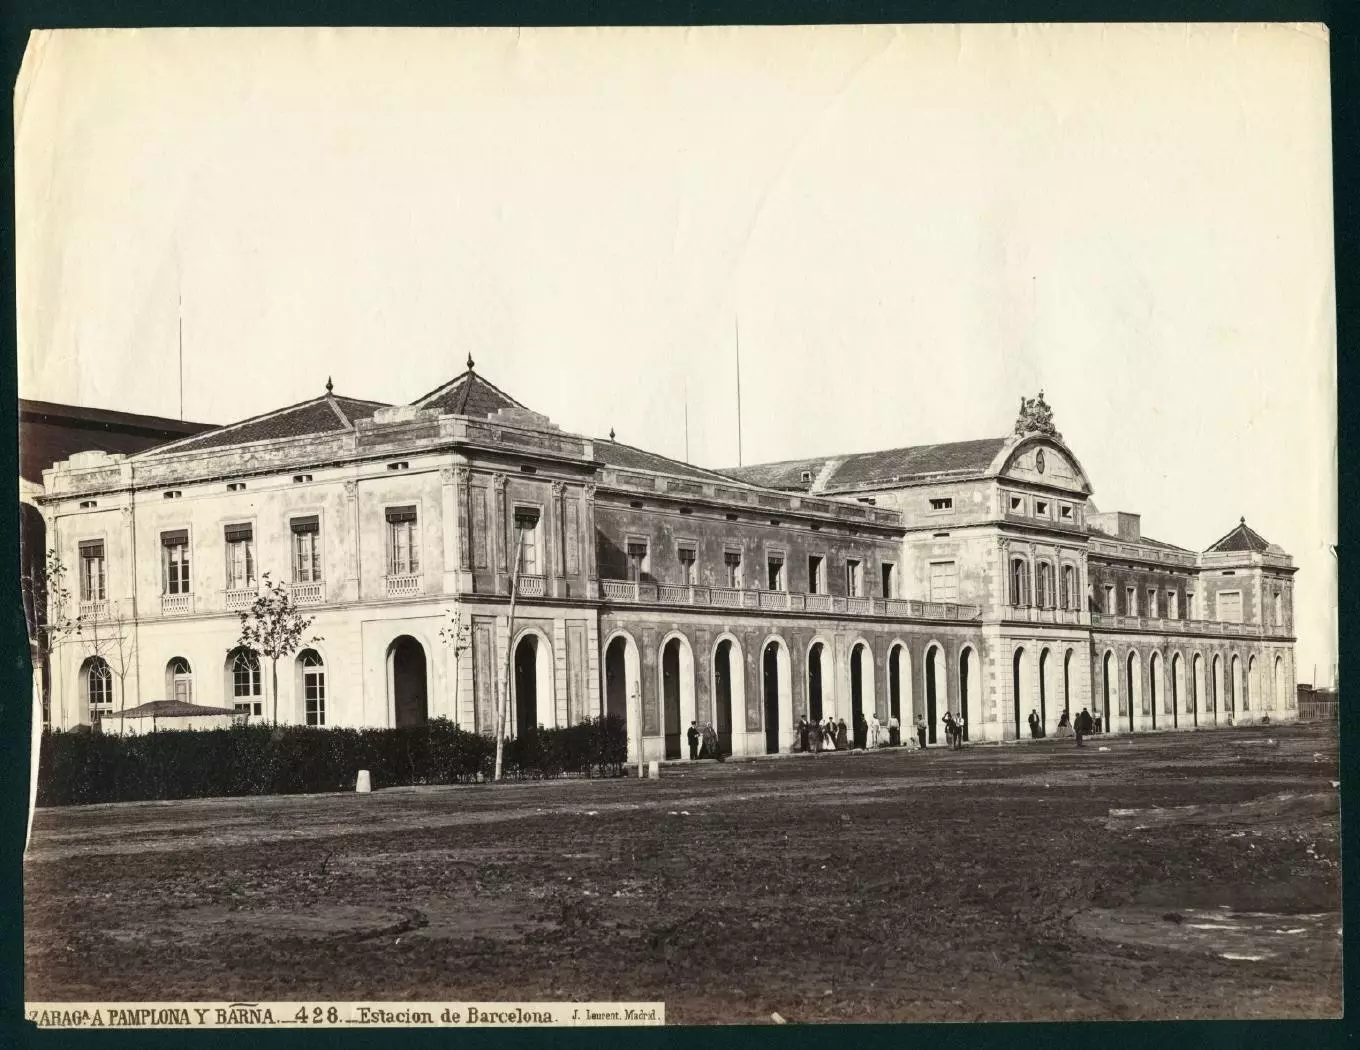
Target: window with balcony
{"type": "Point", "coordinates": [774, 570]}
{"type": "Point", "coordinates": [1019, 582]}
{"type": "Point", "coordinates": [1044, 585]}
{"type": "Point", "coordinates": [527, 527]}
{"type": "Point", "coordinates": [638, 566]}
{"type": "Point", "coordinates": [816, 582]}
{"type": "Point", "coordinates": [944, 581]}
{"type": "Point", "coordinates": [889, 580]}
{"type": "Point", "coordinates": [306, 549]}
{"type": "Point", "coordinates": [853, 578]}
{"type": "Point", "coordinates": [688, 557]}
{"type": "Point", "coordinates": [403, 542]}
{"type": "Point", "coordinates": [732, 568]}
{"type": "Point", "coordinates": [240, 557]}
{"type": "Point", "coordinates": [92, 587]}
{"type": "Point", "coordinates": [175, 562]}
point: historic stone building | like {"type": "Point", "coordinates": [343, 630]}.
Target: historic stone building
{"type": "Point", "coordinates": [973, 577]}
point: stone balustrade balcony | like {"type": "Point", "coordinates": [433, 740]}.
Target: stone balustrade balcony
{"type": "Point", "coordinates": [705, 597]}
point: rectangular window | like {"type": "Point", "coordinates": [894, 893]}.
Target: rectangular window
{"type": "Point", "coordinates": [1230, 606]}
{"type": "Point", "coordinates": [1130, 601]}
{"type": "Point", "coordinates": [1065, 511]}
{"type": "Point", "coordinates": [1109, 599]}
{"type": "Point", "coordinates": [1041, 508]}
{"type": "Point", "coordinates": [1017, 504]}
{"type": "Point", "coordinates": [403, 542]}
{"type": "Point", "coordinates": [944, 581]}
{"type": "Point", "coordinates": [1172, 605]}
{"type": "Point", "coordinates": [530, 541]}
{"type": "Point", "coordinates": [306, 549]}
{"type": "Point", "coordinates": [687, 556]}
{"type": "Point", "coordinates": [314, 694]}
{"type": "Point", "coordinates": [942, 503]}
{"type": "Point", "coordinates": [1191, 609]}
{"type": "Point", "coordinates": [637, 559]}
{"type": "Point", "coordinates": [92, 571]}
{"type": "Point", "coordinates": [175, 562]}
{"type": "Point", "coordinates": [774, 566]}
{"type": "Point", "coordinates": [816, 585]}
{"type": "Point", "coordinates": [1152, 601]}
{"type": "Point", "coordinates": [732, 566]}
{"type": "Point", "coordinates": [853, 582]}
{"type": "Point", "coordinates": [240, 557]}
{"type": "Point", "coordinates": [887, 570]}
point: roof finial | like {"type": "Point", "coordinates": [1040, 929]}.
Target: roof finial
{"type": "Point", "coordinates": [469, 362]}
{"type": "Point", "coordinates": [611, 433]}
{"type": "Point", "coordinates": [1242, 520]}
{"type": "Point", "coordinates": [329, 385]}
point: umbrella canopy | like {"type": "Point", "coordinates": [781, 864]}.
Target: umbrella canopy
{"type": "Point", "coordinates": [170, 709]}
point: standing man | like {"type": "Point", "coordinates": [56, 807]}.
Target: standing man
{"type": "Point", "coordinates": [693, 736]}
{"type": "Point", "coordinates": [1034, 725]}
{"type": "Point", "coordinates": [921, 731]}
{"type": "Point", "coordinates": [958, 731]}
{"type": "Point", "coordinates": [875, 729]}
{"type": "Point", "coordinates": [1081, 725]}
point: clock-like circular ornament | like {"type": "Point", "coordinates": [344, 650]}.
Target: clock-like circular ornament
{"type": "Point", "coordinates": [1039, 461]}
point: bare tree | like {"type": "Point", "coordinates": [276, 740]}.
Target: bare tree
{"type": "Point", "coordinates": [524, 520]}
{"type": "Point", "coordinates": [47, 609]}
{"type": "Point", "coordinates": [274, 627]}
{"type": "Point", "coordinates": [456, 634]}
{"type": "Point", "coordinates": [96, 634]}
{"type": "Point", "coordinates": [124, 652]}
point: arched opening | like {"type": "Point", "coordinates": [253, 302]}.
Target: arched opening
{"type": "Point", "coordinates": [856, 685]}
{"type": "Point", "coordinates": [1108, 683]}
{"type": "Point", "coordinates": [814, 673]}
{"type": "Point", "coordinates": [526, 685]}
{"type": "Point", "coordinates": [895, 683]}
{"type": "Point", "coordinates": [1196, 688]}
{"type": "Point", "coordinates": [1067, 683]}
{"type": "Point", "coordinates": [1253, 689]}
{"type": "Point", "coordinates": [729, 695]}
{"type": "Point", "coordinates": [1017, 689]}
{"type": "Point", "coordinates": [623, 687]}
{"type": "Point", "coordinates": [965, 687]}
{"type": "Point", "coordinates": [1134, 685]}
{"type": "Point", "coordinates": [244, 682]}
{"type": "Point", "coordinates": [1217, 690]}
{"type": "Point", "coordinates": [410, 704]}
{"type": "Point", "coordinates": [1043, 690]}
{"type": "Point", "coordinates": [935, 691]}
{"type": "Point", "coordinates": [96, 685]}
{"type": "Point", "coordinates": [179, 681]}
{"type": "Point", "coordinates": [1154, 676]}
{"type": "Point", "coordinates": [311, 675]}
{"type": "Point", "coordinates": [1237, 700]}
{"type": "Point", "coordinates": [778, 695]}
{"type": "Point", "coordinates": [1280, 696]}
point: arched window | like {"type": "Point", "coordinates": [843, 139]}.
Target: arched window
{"type": "Point", "coordinates": [179, 680]}
{"type": "Point", "coordinates": [313, 686]}
{"type": "Point", "coordinates": [1068, 597]}
{"type": "Point", "coordinates": [98, 681]}
{"type": "Point", "coordinates": [1019, 582]}
{"type": "Point", "coordinates": [1044, 586]}
{"type": "Point", "coordinates": [245, 683]}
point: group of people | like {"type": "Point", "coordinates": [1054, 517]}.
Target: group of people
{"type": "Point", "coordinates": [703, 742]}
{"type": "Point", "coordinates": [1082, 725]}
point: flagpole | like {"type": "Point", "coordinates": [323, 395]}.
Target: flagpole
{"type": "Point", "coordinates": [736, 321]}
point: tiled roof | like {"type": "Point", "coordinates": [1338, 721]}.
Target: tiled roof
{"type": "Point", "coordinates": [1149, 542]}
{"type": "Point", "coordinates": [626, 457]}
{"type": "Point", "coordinates": [870, 468]}
{"type": "Point", "coordinates": [1241, 538]}
{"type": "Point", "coordinates": [467, 395]}
{"type": "Point", "coordinates": [322, 415]}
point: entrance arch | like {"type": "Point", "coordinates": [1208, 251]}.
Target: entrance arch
{"type": "Point", "coordinates": [1280, 698]}
{"type": "Point", "coordinates": [729, 695]}
{"type": "Point", "coordinates": [1154, 673]}
{"type": "Point", "coordinates": [1109, 682]}
{"type": "Point", "coordinates": [533, 702]}
{"type": "Point", "coordinates": [1196, 687]}
{"type": "Point", "coordinates": [967, 672]}
{"type": "Point", "coordinates": [937, 688]}
{"type": "Point", "coordinates": [815, 680]}
{"type": "Point", "coordinates": [1253, 690]}
{"type": "Point", "coordinates": [863, 698]}
{"type": "Point", "coordinates": [1017, 687]}
{"type": "Point", "coordinates": [777, 676]}
{"type": "Point", "coordinates": [1178, 689]}
{"type": "Point", "coordinates": [1043, 689]}
{"type": "Point", "coordinates": [1237, 695]}
{"type": "Point", "coordinates": [1217, 697]}
{"type": "Point", "coordinates": [677, 693]}
{"type": "Point", "coordinates": [623, 686]}
{"type": "Point", "coordinates": [407, 682]}
{"type": "Point", "coordinates": [1134, 682]}
{"type": "Point", "coordinates": [900, 699]}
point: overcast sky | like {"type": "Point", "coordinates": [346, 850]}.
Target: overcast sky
{"type": "Point", "coordinates": [914, 226]}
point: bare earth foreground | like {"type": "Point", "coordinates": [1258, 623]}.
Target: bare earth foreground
{"type": "Point", "coordinates": [982, 884]}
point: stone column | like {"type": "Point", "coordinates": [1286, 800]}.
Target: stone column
{"type": "Point", "coordinates": [353, 587]}
{"type": "Point", "coordinates": [462, 493]}
{"type": "Point", "coordinates": [557, 528]}
{"type": "Point", "coordinates": [588, 527]}
{"type": "Point", "coordinates": [448, 521]}
{"type": "Point", "coordinates": [498, 487]}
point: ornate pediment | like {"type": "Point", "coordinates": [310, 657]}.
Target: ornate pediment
{"type": "Point", "coordinates": [1035, 418]}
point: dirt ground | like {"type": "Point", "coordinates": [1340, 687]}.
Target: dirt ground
{"type": "Point", "coordinates": [974, 885]}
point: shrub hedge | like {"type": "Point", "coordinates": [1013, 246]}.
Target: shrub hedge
{"type": "Point", "coordinates": [81, 768]}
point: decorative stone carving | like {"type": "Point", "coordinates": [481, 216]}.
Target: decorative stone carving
{"type": "Point", "coordinates": [558, 488]}
{"type": "Point", "coordinates": [590, 492]}
{"type": "Point", "coordinates": [499, 481]}
{"type": "Point", "coordinates": [447, 475]}
{"type": "Point", "coordinates": [1035, 418]}
{"type": "Point", "coordinates": [351, 489]}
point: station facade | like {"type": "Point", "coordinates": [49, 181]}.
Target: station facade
{"type": "Point", "coordinates": [973, 577]}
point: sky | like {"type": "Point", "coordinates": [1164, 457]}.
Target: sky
{"type": "Point", "coordinates": [904, 229]}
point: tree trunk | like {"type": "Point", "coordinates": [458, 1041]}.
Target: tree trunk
{"type": "Point", "coordinates": [274, 684]}
{"type": "Point", "coordinates": [509, 661]}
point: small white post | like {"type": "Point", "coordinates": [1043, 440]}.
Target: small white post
{"type": "Point", "coordinates": [654, 770]}
{"type": "Point", "coordinates": [363, 785]}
